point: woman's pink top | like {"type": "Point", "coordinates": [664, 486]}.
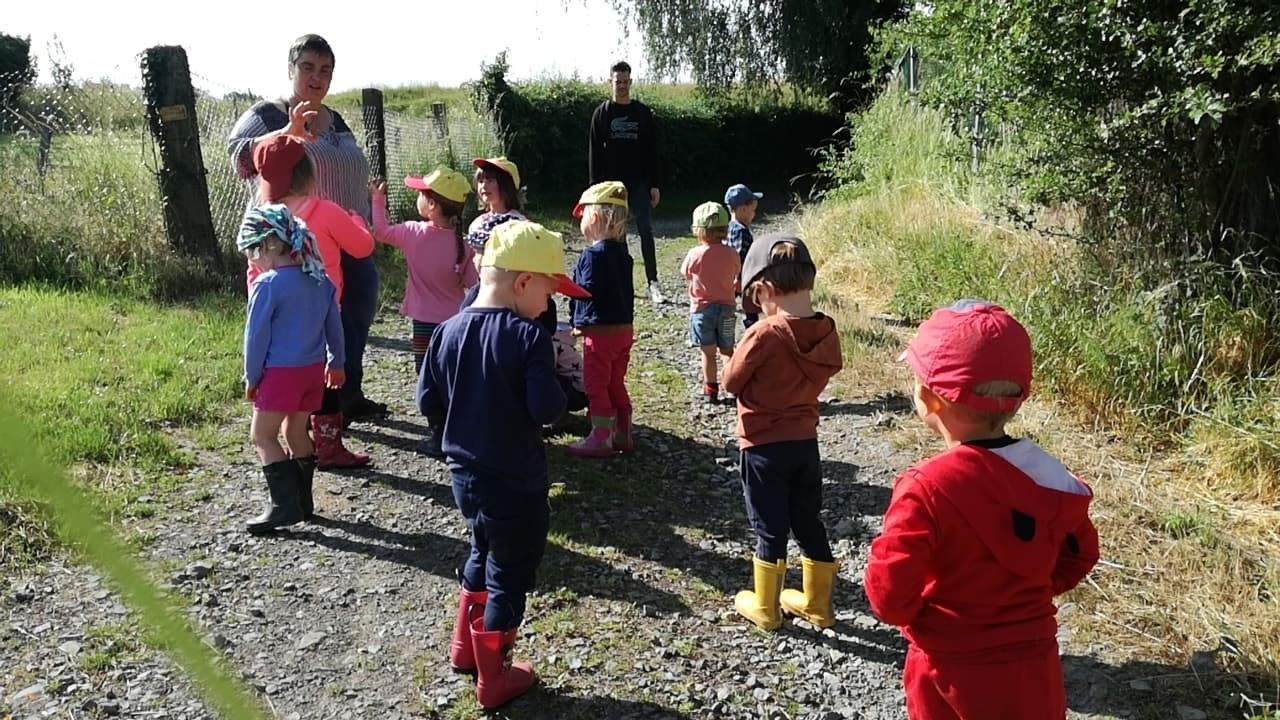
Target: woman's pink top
{"type": "Point", "coordinates": [440, 266]}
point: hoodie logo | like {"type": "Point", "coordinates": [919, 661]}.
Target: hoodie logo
{"type": "Point", "coordinates": [624, 129]}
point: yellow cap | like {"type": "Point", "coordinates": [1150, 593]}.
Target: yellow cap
{"type": "Point", "coordinates": [502, 163]}
{"type": "Point", "coordinates": [610, 192]}
{"type": "Point", "coordinates": [445, 182]}
{"type": "Point", "coordinates": [710, 215]}
{"type": "Point", "coordinates": [524, 246]}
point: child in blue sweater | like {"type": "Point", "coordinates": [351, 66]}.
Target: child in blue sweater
{"type": "Point", "coordinates": [490, 372]}
{"type": "Point", "coordinates": [293, 349]}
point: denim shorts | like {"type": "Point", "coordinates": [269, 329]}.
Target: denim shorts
{"type": "Point", "coordinates": [713, 325]}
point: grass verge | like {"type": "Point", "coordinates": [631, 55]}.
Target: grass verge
{"type": "Point", "coordinates": [1143, 398]}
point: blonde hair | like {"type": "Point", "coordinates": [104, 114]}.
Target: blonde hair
{"type": "Point", "coordinates": [614, 217]}
{"type": "Point", "coordinates": [711, 233]}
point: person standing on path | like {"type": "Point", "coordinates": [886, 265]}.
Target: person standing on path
{"type": "Point", "coordinates": [342, 177]}
{"type": "Point", "coordinates": [623, 146]}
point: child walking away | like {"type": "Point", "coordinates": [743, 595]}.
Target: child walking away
{"type": "Point", "coordinates": [286, 177]}
{"type": "Point", "coordinates": [491, 373]}
{"type": "Point", "coordinates": [978, 539]}
{"type": "Point", "coordinates": [293, 350]}
{"type": "Point", "coordinates": [742, 205]}
{"type": "Point", "coordinates": [605, 318]}
{"type": "Point", "coordinates": [711, 268]}
{"type": "Point", "coordinates": [439, 263]}
{"type": "Point", "coordinates": [783, 363]}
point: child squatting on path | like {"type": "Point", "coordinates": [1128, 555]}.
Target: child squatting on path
{"type": "Point", "coordinates": [438, 260]}
{"type": "Point", "coordinates": [490, 372]}
{"type": "Point", "coordinates": [293, 350]}
{"type": "Point", "coordinates": [978, 539]}
{"type": "Point", "coordinates": [605, 318]}
{"type": "Point", "coordinates": [711, 267]}
{"type": "Point", "coordinates": [783, 363]}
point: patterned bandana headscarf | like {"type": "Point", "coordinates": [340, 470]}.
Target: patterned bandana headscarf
{"type": "Point", "coordinates": [265, 221]}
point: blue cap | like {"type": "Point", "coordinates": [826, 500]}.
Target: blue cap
{"type": "Point", "coordinates": [740, 195]}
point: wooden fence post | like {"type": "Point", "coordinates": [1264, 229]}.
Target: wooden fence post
{"type": "Point", "coordinates": [375, 131]}
{"type": "Point", "coordinates": [171, 114]}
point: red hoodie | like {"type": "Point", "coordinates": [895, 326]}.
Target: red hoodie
{"type": "Point", "coordinates": [976, 542]}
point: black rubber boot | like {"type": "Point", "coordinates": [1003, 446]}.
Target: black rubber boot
{"type": "Point", "coordinates": [306, 477]}
{"type": "Point", "coordinates": [282, 484]}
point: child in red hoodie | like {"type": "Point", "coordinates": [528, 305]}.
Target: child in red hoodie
{"type": "Point", "coordinates": [978, 539]}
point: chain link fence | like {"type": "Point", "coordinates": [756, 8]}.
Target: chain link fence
{"type": "Point", "coordinates": [79, 169]}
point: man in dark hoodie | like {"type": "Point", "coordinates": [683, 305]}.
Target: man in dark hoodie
{"type": "Point", "coordinates": [978, 539]}
{"type": "Point", "coordinates": [782, 364]}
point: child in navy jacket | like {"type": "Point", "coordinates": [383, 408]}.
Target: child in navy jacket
{"type": "Point", "coordinates": [490, 373]}
{"type": "Point", "coordinates": [604, 320]}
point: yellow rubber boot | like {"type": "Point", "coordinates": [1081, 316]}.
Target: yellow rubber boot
{"type": "Point", "coordinates": [761, 605]}
{"type": "Point", "coordinates": [814, 604]}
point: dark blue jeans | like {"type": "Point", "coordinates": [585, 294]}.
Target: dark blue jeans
{"type": "Point", "coordinates": [508, 539]}
{"type": "Point", "coordinates": [641, 212]}
{"type": "Point", "coordinates": [782, 484]}
{"type": "Point", "coordinates": [359, 307]}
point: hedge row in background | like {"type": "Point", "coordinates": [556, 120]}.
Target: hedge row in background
{"type": "Point", "coordinates": [702, 142]}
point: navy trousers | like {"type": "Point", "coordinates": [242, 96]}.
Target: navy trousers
{"type": "Point", "coordinates": [508, 539]}
{"type": "Point", "coordinates": [359, 307]}
{"type": "Point", "coordinates": [782, 484]}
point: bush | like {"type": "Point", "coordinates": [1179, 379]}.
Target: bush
{"type": "Point", "coordinates": [702, 142]}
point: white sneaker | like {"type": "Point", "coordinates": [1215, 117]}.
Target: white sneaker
{"type": "Point", "coordinates": [655, 293]}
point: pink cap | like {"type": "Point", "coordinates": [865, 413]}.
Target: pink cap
{"type": "Point", "coordinates": [967, 345]}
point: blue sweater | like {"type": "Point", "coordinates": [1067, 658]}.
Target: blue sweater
{"type": "Point", "coordinates": [291, 320]}
{"type": "Point", "coordinates": [604, 269]}
{"type": "Point", "coordinates": [492, 375]}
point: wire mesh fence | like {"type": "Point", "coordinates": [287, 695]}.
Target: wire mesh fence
{"type": "Point", "coordinates": [78, 170]}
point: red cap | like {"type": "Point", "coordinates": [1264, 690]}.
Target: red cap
{"type": "Point", "coordinates": [967, 345]}
{"type": "Point", "coordinates": [275, 159]}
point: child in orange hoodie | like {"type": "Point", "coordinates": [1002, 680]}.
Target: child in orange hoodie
{"type": "Point", "coordinates": [979, 538]}
{"type": "Point", "coordinates": [777, 372]}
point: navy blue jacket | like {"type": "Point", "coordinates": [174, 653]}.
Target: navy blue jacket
{"type": "Point", "coordinates": [492, 375]}
{"type": "Point", "coordinates": [604, 269]}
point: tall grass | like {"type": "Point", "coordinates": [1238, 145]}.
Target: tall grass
{"type": "Point", "coordinates": [1176, 381]}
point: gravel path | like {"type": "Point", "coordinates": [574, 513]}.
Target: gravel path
{"type": "Point", "coordinates": [349, 616]}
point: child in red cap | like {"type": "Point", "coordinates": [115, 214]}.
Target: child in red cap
{"type": "Point", "coordinates": [978, 539]}
{"type": "Point", "coordinates": [286, 176]}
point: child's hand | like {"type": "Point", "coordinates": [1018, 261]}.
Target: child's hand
{"type": "Point", "coordinates": [250, 393]}
{"type": "Point", "coordinates": [576, 332]}
{"type": "Point", "coordinates": [378, 188]}
{"type": "Point", "coordinates": [334, 378]}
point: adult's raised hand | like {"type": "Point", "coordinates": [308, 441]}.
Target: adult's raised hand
{"type": "Point", "coordinates": [300, 116]}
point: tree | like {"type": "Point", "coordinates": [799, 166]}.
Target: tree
{"type": "Point", "coordinates": [1162, 118]}
{"type": "Point", "coordinates": [819, 45]}
{"type": "Point", "coordinates": [17, 70]}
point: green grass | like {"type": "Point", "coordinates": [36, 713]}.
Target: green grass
{"type": "Point", "coordinates": [106, 384]}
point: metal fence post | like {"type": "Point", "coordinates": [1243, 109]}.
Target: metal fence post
{"type": "Point", "coordinates": [171, 115]}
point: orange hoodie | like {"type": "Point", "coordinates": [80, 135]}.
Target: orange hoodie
{"type": "Point", "coordinates": [777, 372]}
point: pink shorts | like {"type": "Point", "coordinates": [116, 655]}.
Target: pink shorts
{"type": "Point", "coordinates": [291, 389]}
